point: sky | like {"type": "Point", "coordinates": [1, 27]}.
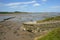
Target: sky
{"type": "Point", "coordinates": [30, 5]}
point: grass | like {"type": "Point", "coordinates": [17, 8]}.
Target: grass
{"type": "Point", "coordinates": [49, 19]}
{"type": "Point", "coordinates": [53, 35]}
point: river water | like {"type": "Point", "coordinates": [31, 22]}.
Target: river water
{"type": "Point", "coordinates": [27, 17]}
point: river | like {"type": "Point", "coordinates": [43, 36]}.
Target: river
{"type": "Point", "coordinates": [26, 17]}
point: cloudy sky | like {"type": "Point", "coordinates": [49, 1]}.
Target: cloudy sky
{"type": "Point", "coordinates": [30, 5]}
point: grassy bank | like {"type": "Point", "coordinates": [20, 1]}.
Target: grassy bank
{"type": "Point", "coordinates": [53, 35]}
{"type": "Point", "coordinates": [49, 19]}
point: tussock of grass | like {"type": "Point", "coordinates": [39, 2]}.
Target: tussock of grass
{"type": "Point", "coordinates": [53, 35]}
{"type": "Point", "coordinates": [15, 32]}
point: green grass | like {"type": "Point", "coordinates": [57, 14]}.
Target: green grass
{"type": "Point", "coordinates": [53, 35]}
{"type": "Point", "coordinates": [49, 19]}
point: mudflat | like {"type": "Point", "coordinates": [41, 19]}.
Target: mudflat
{"type": "Point", "coordinates": [10, 30]}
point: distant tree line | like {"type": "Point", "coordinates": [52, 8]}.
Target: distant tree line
{"type": "Point", "coordinates": [13, 12]}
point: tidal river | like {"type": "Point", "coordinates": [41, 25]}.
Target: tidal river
{"type": "Point", "coordinates": [26, 17]}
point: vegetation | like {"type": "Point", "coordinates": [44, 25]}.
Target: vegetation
{"type": "Point", "coordinates": [13, 12]}
{"type": "Point", "coordinates": [17, 12]}
{"type": "Point", "coordinates": [5, 12]}
{"type": "Point", "coordinates": [53, 35]}
{"type": "Point", "coordinates": [49, 19]}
